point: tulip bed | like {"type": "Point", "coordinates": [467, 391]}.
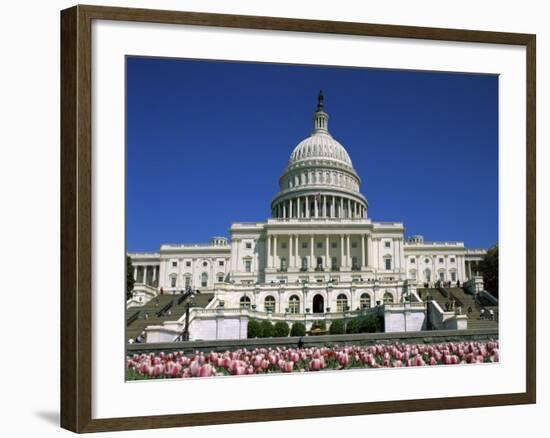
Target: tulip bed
{"type": "Point", "coordinates": [288, 360]}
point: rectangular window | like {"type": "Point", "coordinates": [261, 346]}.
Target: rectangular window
{"type": "Point", "coordinates": [452, 260]}
{"type": "Point", "coordinates": [174, 264]}
{"type": "Point", "coordinates": [221, 263]}
{"type": "Point", "coordinates": [453, 276]}
{"type": "Point", "coordinates": [354, 244]}
{"type": "Point", "coordinates": [247, 265]}
{"type": "Point", "coordinates": [173, 281]}
{"type": "Point", "coordinates": [188, 264]}
{"type": "Point", "coordinates": [304, 245]}
{"type": "Point", "coordinates": [388, 263]}
{"type": "Point", "coordinates": [387, 244]}
{"type": "Point", "coordinates": [319, 245]}
{"type": "Point", "coordinates": [187, 282]}
{"type": "Point", "coordinates": [413, 260]}
{"type": "Point", "coordinates": [440, 259]}
{"type": "Point", "coordinates": [283, 245]}
{"type": "Point", "coordinates": [248, 245]}
{"type": "Point", "coordinates": [220, 279]}
{"type": "Point", "coordinates": [333, 245]}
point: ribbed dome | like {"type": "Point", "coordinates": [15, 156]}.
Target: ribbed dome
{"type": "Point", "coordinates": [319, 145]}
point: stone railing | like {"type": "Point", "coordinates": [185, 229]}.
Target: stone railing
{"type": "Point", "coordinates": [141, 294]}
{"type": "Point", "coordinates": [442, 320]}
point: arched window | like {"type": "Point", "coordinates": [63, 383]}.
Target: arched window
{"type": "Point", "coordinates": [354, 265]}
{"type": "Point", "coordinates": [269, 304]}
{"type": "Point", "coordinates": [388, 298]}
{"type": "Point", "coordinates": [294, 304]}
{"type": "Point", "coordinates": [334, 264]}
{"type": "Point", "coordinates": [245, 302]}
{"type": "Point", "coordinates": [283, 264]}
{"type": "Point", "coordinates": [387, 263]}
{"type": "Point", "coordinates": [304, 263]}
{"type": "Point", "coordinates": [204, 279]}
{"type": "Point", "coordinates": [341, 303]}
{"type": "Point", "coordinates": [365, 301]}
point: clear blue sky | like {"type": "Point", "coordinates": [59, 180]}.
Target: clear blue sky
{"type": "Point", "coordinates": [207, 142]}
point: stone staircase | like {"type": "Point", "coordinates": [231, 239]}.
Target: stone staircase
{"type": "Point", "coordinates": [159, 309]}
{"type": "Point", "coordinates": [435, 294]}
{"type": "Point", "coordinates": [466, 301]}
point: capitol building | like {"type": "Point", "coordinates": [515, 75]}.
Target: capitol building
{"type": "Point", "coordinates": [319, 252]}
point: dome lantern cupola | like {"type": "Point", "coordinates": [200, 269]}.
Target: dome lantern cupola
{"type": "Point", "coordinates": [319, 181]}
{"type": "Point", "coordinates": [320, 118]}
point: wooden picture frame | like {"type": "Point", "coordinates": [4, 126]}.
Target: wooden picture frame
{"type": "Point", "coordinates": [76, 217]}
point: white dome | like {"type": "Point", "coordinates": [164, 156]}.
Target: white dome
{"type": "Point", "coordinates": [320, 145]}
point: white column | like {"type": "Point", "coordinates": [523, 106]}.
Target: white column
{"type": "Point", "coordinates": [307, 207]}
{"type": "Point", "coordinates": [325, 206]}
{"type": "Point", "coordinates": [342, 251]}
{"type": "Point", "coordinates": [275, 261]}
{"type": "Point", "coordinates": [333, 207]}
{"type": "Point", "coordinates": [315, 206]}
{"type": "Point", "coordinates": [290, 207]}
{"type": "Point", "coordinates": [154, 274]}
{"type": "Point", "coordinates": [348, 251]}
{"type": "Point", "coordinates": [145, 275]}
{"type": "Point", "coordinates": [298, 209]}
{"type": "Point", "coordinates": [269, 260]}
{"type": "Point", "coordinates": [363, 264]}
{"type": "Point", "coordinates": [327, 255]}
{"type": "Point", "coordinates": [311, 252]}
{"type": "Point", "coordinates": [290, 254]}
{"type": "Point", "coordinates": [297, 252]}
{"type": "Point", "coordinates": [369, 250]}
{"type": "Point", "coordinates": [135, 273]}
{"type": "Point", "coordinates": [341, 207]}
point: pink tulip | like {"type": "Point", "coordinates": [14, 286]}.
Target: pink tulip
{"type": "Point", "coordinates": [206, 370]}
{"type": "Point", "coordinates": [315, 365]}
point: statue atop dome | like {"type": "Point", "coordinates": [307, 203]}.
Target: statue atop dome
{"type": "Point", "coordinates": [320, 101]}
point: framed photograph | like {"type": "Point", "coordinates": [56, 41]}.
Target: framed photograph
{"type": "Point", "coordinates": [268, 218]}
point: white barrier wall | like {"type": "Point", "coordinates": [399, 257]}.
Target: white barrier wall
{"type": "Point", "coordinates": [405, 317]}
{"type": "Point", "coordinates": [218, 327]}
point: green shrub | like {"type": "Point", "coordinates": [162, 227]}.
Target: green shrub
{"type": "Point", "coordinates": [267, 329]}
{"type": "Point", "coordinates": [281, 329]}
{"type": "Point", "coordinates": [371, 324]}
{"type": "Point", "coordinates": [254, 329]}
{"type": "Point", "coordinates": [337, 327]}
{"type": "Point", "coordinates": [353, 326]}
{"type": "Point", "coordinates": [298, 329]}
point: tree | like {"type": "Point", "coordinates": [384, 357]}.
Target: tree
{"type": "Point", "coordinates": [266, 329]}
{"type": "Point", "coordinates": [254, 330]}
{"type": "Point", "coordinates": [298, 329]}
{"type": "Point", "coordinates": [129, 278]}
{"type": "Point", "coordinates": [371, 324]}
{"type": "Point", "coordinates": [337, 327]}
{"type": "Point", "coordinates": [488, 267]}
{"type": "Point", "coordinates": [281, 329]}
{"type": "Point", "coordinates": [354, 326]}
